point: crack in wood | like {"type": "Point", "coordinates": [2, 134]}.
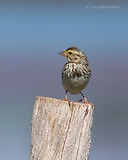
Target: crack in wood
{"type": "Point", "coordinates": [67, 128]}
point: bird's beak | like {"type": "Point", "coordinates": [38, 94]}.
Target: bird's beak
{"type": "Point", "coordinates": [62, 53]}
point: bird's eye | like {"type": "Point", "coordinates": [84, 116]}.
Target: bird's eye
{"type": "Point", "coordinates": [70, 53]}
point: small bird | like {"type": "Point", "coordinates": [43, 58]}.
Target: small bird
{"type": "Point", "coordinates": [76, 72]}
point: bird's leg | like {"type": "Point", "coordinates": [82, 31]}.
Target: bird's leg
{"type": "Point", "coordinates": [85, 99]}
{"type": "Point", "coordinates": [66, 98]}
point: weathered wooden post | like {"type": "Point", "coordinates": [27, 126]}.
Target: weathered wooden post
{"type": "Point", "coordinates": [60, 130]}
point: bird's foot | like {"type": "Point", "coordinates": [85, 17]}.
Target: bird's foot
{"type": "Point", "coordinates": [85, 101]}
{"type": "Point", "coordinates": [69, 101]}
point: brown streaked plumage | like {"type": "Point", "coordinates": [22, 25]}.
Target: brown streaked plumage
{"type": "Point", "coordinates": [76, 72]}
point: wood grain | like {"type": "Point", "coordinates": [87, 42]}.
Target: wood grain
{"type": "Point", "coordinates": [60, 130]}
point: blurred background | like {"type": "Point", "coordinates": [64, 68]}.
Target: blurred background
{"type": "Point", "coordinates": [32, 33]}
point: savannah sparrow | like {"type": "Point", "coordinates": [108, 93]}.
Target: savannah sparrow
{"type": "Point", "coordinates": [76, 72]}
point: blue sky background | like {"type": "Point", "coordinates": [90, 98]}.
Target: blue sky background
{"type": "Point", "coordinates": [31, 36]}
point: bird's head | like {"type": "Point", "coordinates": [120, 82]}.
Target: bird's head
{"type": "Point", "coordinates": [73, 55]}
